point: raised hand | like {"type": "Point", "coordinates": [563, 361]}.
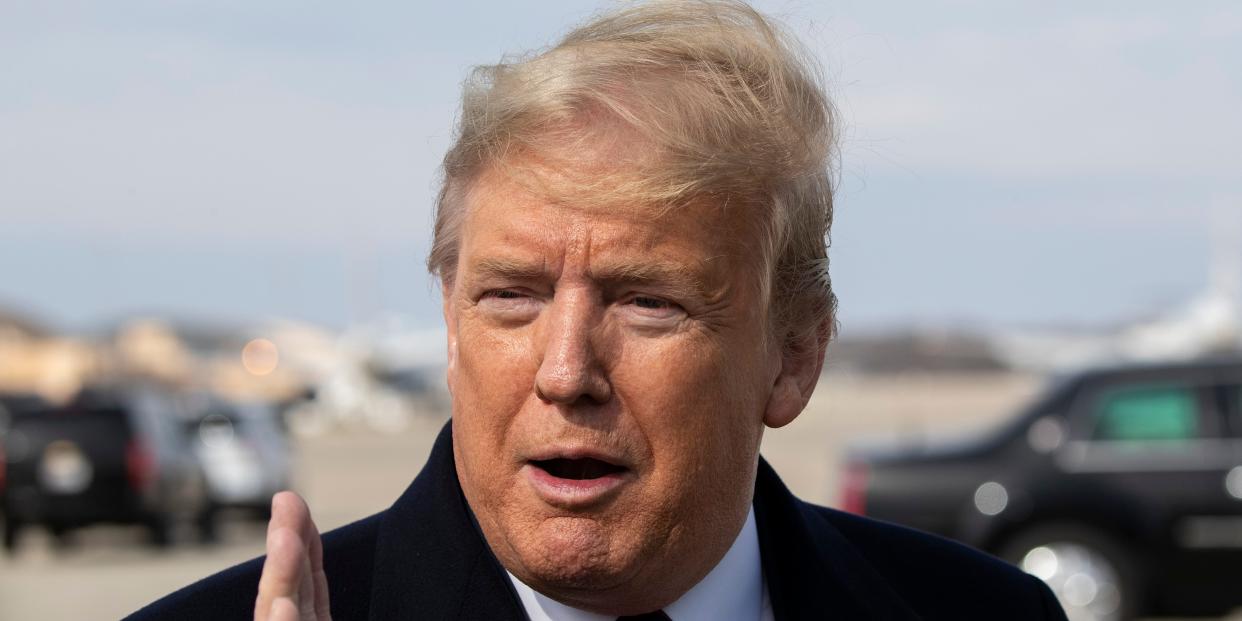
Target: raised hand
{"type": "Point", "coordinates": [293, 586]}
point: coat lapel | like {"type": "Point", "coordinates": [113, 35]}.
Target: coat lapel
{"type": "Point", "coordinates": [431, 561]}
{"type": "Point", "coordinates": [811, 570]}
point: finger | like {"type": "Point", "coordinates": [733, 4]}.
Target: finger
{"type": "Point", "coordinates": [299, 576]}
{"type": "Point", "coordinates": [313, 585]}
{"type": "Point", "coordinates": [290, 511]}
{"type": "Point", "coordinates": [306, 590]}
{"type": "Point", "coordinates": [282, 571]}
{"type": "Point", "coordinates": [319, 577]}
{"type": "Point", "coordinates": [283, 609]}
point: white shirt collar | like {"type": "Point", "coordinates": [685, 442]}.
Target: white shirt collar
{"type": "Point", "coordinates": [733, 589]}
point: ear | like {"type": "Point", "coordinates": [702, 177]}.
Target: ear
{"type": "Point", "coordinates": [801, 363]}
{"type": "Point", "coordinates": [450, 328]}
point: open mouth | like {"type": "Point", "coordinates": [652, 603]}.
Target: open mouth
{"type": "Point", "coordinates": [585, 468]}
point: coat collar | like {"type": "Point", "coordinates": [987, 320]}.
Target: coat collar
{"type": "Point", "coordinates": [812, 571]}
{"type": "Point", "coordinates": [431, 561]}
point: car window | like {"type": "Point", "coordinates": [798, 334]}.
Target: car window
{"type": "Point", "coordinates": [1148, 414]}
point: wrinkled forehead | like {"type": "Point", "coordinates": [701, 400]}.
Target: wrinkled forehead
{"type": "Point", "coordinates": [688, 254]}
{"type": "Point", "coordinates": [595, 190]}
{"type": "Point", "coordinates": [599, 170]}
{"type": "Point", "coordinates": [697, 246]}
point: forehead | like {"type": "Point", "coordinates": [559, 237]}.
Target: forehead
{"type": "Point", "coordinates": [505, 214]}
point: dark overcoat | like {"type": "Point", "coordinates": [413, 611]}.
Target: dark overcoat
{"type": "Point", "coordinates": [424, 558]}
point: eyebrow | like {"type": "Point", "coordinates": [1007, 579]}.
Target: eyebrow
{"type": "Point", "coordinates": [674, 278]}
{"type": "Point", "coordinates": [680, 279]}
{"type": "Point", "coordinates": [509, 269]}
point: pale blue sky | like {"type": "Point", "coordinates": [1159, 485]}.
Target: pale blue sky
{"type": "Point", "coordinates": [1055, 162]}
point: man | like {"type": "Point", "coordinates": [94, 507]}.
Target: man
{"type": "Point", "coordinates": [631, 244]}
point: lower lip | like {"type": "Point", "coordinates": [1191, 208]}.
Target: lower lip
{"type": "Point", "coordinates": [574, 493]}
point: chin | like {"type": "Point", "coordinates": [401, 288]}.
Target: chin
{"type": "Point", "coordinates": [573, 554]}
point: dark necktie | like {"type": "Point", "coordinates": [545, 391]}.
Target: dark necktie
{"type": "Point", "coordinates": [650, 616]}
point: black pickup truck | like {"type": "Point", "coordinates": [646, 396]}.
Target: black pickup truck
{"type": "Point", "coordinates": [1120, 487]}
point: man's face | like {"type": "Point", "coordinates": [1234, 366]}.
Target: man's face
{"type": "Point", "coordinates": [609, 374]}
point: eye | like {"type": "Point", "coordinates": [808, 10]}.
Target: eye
{"type": "Point", "coordinates": [651, 303]}
{"type": "Point", "coordinates": [509, 304]}
{"type": "Point", "coordinates": [646, 308]}
{"type": "Point", "coordinates": [503, 294]}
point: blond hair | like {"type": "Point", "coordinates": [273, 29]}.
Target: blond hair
{"type": "Point", "coordinates": [728, 108]}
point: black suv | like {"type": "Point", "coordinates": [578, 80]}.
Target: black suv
{"type": "Point", "coordinates": [1121, 487]}
{"type": "Point", "coordinates": [12, 406]}
{"type": "Point", "coordinates": [116, 455]}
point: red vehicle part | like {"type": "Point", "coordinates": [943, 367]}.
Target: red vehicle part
{"type": "Point", "coordinates": [854, 488]}
{"type": "Point", "coordinates": [139, 466]}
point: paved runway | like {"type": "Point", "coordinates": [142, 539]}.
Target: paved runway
{"type": "Point", "coordinates": [349, 474]}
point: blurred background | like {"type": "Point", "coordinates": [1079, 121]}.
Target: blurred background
{"type": "Point", "coordinates": [213, 218]}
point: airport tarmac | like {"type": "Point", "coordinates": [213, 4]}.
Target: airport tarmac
{"type": "Point", "coordinates": [351, 473]}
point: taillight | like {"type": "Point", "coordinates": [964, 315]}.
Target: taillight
{"type": "Point", "coordinates": [854, 488]}
{"type": "Point", "coordinates": [139, 465]}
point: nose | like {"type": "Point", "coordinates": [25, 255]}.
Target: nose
{"type": "Point", "coordinates": [571, 369]}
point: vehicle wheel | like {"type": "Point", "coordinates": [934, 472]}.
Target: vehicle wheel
{"type": "Point", "coordinates": [208, 525]}
{"type": "Point", "coordinates": [1093, 577]}
{"type": "Point", "coordinates": [160, 531]}
{"type": "Point", "coordinates": [11, 528]}
{"type": "Point", "coordinates": [61, 537]}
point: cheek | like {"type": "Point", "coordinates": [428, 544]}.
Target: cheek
{"type": "Point", "coordinates": [492, 367]}
{"type": "Point", "coordinates": [698, 402]}
{"type": "Point", "coordinates": [492, 378]}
